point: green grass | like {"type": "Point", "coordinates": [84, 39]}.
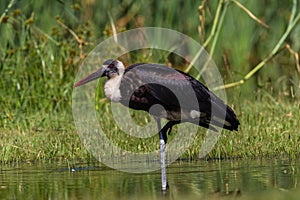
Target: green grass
{"type": "Point", "coordinates": [266, 130]}
{"type": "Point", "coordinates": [52, 138]}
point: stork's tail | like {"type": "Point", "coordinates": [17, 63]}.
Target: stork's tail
{"type": "Point", "coordinates": [226, 120]}
{"type": "Point", "coordinates": [231, 121]}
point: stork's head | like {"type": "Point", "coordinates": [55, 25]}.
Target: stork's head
{"type": "Point", "coordinates": [110, 68]}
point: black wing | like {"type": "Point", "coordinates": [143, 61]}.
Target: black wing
{"type": "Point", "coordinates": [147, 84]}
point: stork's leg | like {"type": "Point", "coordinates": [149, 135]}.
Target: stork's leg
{"type": "Point", "coordinates": [166, 130]}
{"type": "Point", "coordinates": [164, 182]}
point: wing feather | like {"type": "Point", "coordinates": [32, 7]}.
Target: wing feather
{"type": "Point", "coordinates": [159, 84]}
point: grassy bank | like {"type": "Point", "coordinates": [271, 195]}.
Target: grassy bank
{"type": "Point", "coordinates": [41, 53]}
{"type": "Point", "coordinates": [267, 130]}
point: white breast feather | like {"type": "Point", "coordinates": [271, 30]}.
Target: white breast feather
{"type": "Point", "coordinates": [112, 89]}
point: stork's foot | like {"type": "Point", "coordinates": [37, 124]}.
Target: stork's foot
{"type": "Point", "coordinates": [166, 190]}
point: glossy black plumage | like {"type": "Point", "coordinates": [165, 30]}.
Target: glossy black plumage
{"type": "Point", "coordinates": [144, 85]}
{"type": "Point", "coordinates": [165, 93]}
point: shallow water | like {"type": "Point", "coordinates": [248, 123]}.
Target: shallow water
{"type": "Point", "coordinates": [242, 179]}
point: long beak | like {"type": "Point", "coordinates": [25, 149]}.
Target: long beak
{"type": "Point", "coordinates": [95, 75]}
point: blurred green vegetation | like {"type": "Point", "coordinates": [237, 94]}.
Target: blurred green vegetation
{"type": "Point", "coordinates": [42, 44]}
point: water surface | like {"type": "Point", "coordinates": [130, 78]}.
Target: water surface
{"type": "Point", "coordinates": [241, 179]}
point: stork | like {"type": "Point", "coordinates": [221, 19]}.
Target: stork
{"type": "Point", "coordinates": [142, 86]}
